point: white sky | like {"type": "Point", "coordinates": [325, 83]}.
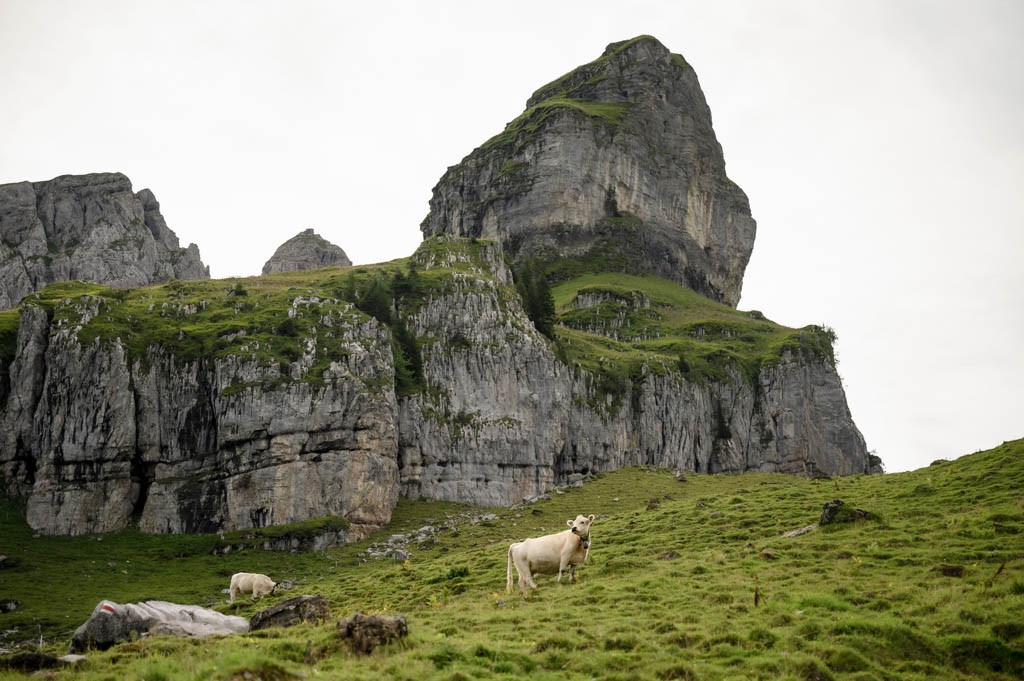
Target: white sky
{"type": "Point", "coordinates": [881, 143]}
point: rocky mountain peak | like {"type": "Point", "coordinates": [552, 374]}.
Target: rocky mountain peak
{"type": "Point", "coordinates": [89, 227]}
{"type": "Point", "coordinates": [615, 167]}
{"type": "Point", "coordinates": [307, 250]}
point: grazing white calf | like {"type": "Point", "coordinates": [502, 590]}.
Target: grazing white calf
{"type": "Point", "coordinates": [251, 583]}
{"type": "Point", "coordinates": [550, 554]}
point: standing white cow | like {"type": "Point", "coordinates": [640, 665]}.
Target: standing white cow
{"type": "Point", "coordinates": [251, 583]}
{"type": "Point", "coordinates": [550, 554]}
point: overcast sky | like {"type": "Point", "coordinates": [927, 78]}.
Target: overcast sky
{"type": "Point", "coordinates": [881, 143]}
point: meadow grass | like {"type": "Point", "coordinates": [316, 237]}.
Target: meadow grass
{"type": "Point", "coordinates": [679, 329]}
{"type": "Point", "coordinates": [685, 580]}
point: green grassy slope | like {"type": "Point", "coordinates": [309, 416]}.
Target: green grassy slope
{"type": "Point", "coordinates": [678, 328]}
{"type": "Point", "coordinates": [686, 580]}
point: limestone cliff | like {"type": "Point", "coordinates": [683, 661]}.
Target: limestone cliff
{"type": "Point", "coordinates": [262, 422]}
{"type": "Point", "coordinates": [614, 166]}
{"type": "Point", "coordinates": [88, 227]}
{"type": "Point", "coordinates": [199, 406]}
{"type": "Point", "coordinates": [306, 250]}
{"type": "Point", "coordinates": [508, 419]}
{"type": "Point", "coordinates": [207, 405]}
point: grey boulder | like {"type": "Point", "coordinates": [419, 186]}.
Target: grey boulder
{"type": "Point", "coordinates": [111, 623]}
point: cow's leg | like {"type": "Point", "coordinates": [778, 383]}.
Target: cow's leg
{"type": "Point", "coordinates": [525, 573]}
{"type": "Point", "coordinates": [563, 561]}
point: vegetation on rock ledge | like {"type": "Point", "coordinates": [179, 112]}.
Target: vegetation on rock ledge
{"type": "Point", "coordinates": [280, 319]}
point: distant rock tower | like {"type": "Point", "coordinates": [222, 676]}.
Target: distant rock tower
{"type": "Point", "coordinates": [306, 250]}
{"type": "Point", "coordinates": [87, 227]}
{"type": "Point", "coordinates": [615, 165]}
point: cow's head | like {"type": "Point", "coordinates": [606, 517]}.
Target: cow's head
{"type": "Point", "coordinates": [581, 526]}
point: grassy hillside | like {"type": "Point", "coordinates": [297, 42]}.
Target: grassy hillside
{"type": "Point", "coordinates": [646, 319]}
{"type": "Point", "coordinates": [686, 580]}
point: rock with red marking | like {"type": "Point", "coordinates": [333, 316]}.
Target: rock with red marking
{"type": "Point", "coordinates": [111, 623]}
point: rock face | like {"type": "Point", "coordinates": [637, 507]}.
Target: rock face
{"type": "Point", "coordinates": [96, 438]}
{"type": "Point", "coordinates": [87, 227]}
{"type": "Point", "coordinates": [202, 407]}
{"type": "Point", "coordinates": [306, 251]}
{"type": "Point", "coordinates": [96, 435]}
{"type": "Point", "coordinates": [615, 165]}
{"type": "Point", "coordinates": [520, 422]}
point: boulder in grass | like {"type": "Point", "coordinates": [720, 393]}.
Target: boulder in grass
{"type": "Point", "coordinates": [292, 611]}
{"type": "Point", "coordinates": [30, 662]}
{"type": "Point", "coordinates": [111, 623]}
{"type": "Point", "coordinates": [366, 632]}
{"type": "Point", "coordinates": [836, 511]}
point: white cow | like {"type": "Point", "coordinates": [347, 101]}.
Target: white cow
{"type": "Point", "coordinates": [251, 583]}
{"type": "Point", "coordinates": [550, 554]}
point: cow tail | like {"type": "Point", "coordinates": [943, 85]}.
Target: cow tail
{"type": "Point", "coordinates": [508, 573]}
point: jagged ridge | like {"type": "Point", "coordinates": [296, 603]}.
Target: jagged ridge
{"type": "Point", "coordinates": [88, 227]}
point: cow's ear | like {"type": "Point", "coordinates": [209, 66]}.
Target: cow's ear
{"type": "Point", "coordinates": [591, 516]}
{"type": "Point", "coordinates": [569, 523]}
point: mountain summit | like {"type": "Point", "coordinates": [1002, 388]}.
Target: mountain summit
{"type": "Point", "coordinates": [307, 250]}
{"type": "Point", "coordinates": [612, 167]}
{"type": "Point", "coordinates": [88, 227]}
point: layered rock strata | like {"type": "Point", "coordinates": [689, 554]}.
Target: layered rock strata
{"type": "Point", "coordinates": [90, 228]}
{"type": "Point", "coordinates": [97, 439]}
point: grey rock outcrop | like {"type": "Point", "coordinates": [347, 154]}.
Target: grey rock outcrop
{"type": "Point", "coordinates": [615, 163]}
{"type": "Point", "coordinates": [111, 623]}
{"type": "Point", "coordinates": [95, 438]}
{"type": "Point", "coordinates": [512, 421]}
{"type": "Point", "coordinates": [114, 412]}
{"type": "Point", "coordinates": [306, 251]}
{"type": "Point", "coordinates": [292, 611]}
{"type": "Point", "coordinates": [86, 227]}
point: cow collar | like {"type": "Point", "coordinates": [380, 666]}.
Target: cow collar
{"type": "Point", "coordinates": [584, 542]}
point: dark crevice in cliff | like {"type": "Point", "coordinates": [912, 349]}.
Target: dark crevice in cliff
{"type": "Point", "coordinates": [142, 475]}
{"type": "Point", "coordinates": [5, 385]}
{"type": "Point", "coordinates": [24, 468]}
{"type": "Point", "coordinates": [201, 505]}
{"type": "Point", "coordinates": [199, 433]}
